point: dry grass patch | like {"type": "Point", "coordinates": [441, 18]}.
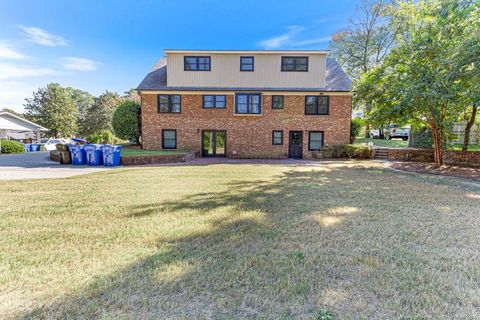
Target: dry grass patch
{"type": "Point", "coordinates": [241, 241]}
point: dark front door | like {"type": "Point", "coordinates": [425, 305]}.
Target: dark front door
{"type": "Point", "coordinates": [295, 145]}
{"type": "Point", "coordinates": [214, 143]}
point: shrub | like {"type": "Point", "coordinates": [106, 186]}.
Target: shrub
{"type": "Point", "coordinates": [104, 136]}
{"type": "Point", "coordinates": [352, 151]}
{"type": "Point", "coordinates": [421, 137]}
{"type": "Point", "coordinates": [356, 128]}
{"type": "Point", "coordinates": [125, 121]}
{"type": "Point", "coordinates": [9, 146]}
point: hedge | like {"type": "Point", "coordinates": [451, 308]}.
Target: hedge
{"type": "Point", "coordinates": [357, 151]}
{"type": "Point", "coordinates": [9, 146]}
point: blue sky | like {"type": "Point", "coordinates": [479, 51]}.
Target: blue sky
{"type": "Point", "coordinates": [100, 45]}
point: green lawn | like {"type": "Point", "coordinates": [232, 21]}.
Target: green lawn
{"type": "Point", "coordinates": [395, 143]}
{"type": "Point", "coordinates": [236, 241]}
{"type": "Point", "coordinates": [140, 152]}
{"type": "Point", "coordinates": [472, 147]}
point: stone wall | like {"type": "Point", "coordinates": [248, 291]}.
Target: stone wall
{"type": "Point", "coordinates": [463, 158]}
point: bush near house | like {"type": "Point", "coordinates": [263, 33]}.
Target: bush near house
{"type": "Point", "coordinates": [9, 146]}
{"type": "Point", "coordinates": [352, 151]}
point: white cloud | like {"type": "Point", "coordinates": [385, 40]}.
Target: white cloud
{"type": "Point", "coordinates": [10, 70]}
{"type": "Point", "coordinates": [8, 51]}
{"type": "Point", "coordinates": [42, 37]}
{"type": "Point", "coordinates": [283, 39]}
{"type": "Point", "coordinates": [13, 94]}
{"type": "Point", "coordinates": [311, 41]}
{"type": "Point", "coordinates": [80, 64]}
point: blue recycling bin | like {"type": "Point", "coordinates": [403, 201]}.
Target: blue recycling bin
{"type": "Point", "coordinates": [26, 146]}
{"type": "Point", "coordinates": [78, 154]}
{"type": "Point", "coordinates": [111, 155]}
{"type": "Point", "coordinates": [34, 147]}
{"type": "Point", "coordinates": [94, 155]}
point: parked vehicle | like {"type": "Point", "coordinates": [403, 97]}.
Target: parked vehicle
{"type": "Point", "coordinates": [396, 132]}
{"type": "Point", "coordinates": [391, 132]}
{"type": "Point", "coordinates": [50, 144]}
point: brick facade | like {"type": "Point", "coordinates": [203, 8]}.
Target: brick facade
{"type": "Point", "coordinates": [248, 136]}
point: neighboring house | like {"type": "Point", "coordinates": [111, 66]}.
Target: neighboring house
{"type": "Point", "coordinates": [17, 128]}
{"type": "Point", "coordinates": [246, 104]}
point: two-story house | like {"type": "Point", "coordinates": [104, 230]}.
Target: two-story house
{"type": "Point", "coordinates": [245, 104]}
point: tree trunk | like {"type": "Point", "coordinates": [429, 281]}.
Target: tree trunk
{"type": "Point", "coordinates": [437, 134]}
{"type": "Point", "coordinates": [468, 127]}
{"type": "Point", "coordinates": [367, 131]}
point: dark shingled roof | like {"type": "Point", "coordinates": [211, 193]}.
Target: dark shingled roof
{"type": "Point", "coordinates": [336, 80]}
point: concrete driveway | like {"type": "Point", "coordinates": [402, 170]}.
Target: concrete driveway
{"type": "Point", "coordinates": [37, 165]}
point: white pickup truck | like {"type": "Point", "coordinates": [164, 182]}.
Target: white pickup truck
{"type": "Point", "coordinates": [394, 132]}
{"type": "Point", "coordinates": [391, 132]}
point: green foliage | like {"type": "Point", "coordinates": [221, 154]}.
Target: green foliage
{"type": "Point", "coordinates": [415, 84]}
{"type": "Point", "coordinates": [352, 151]}
{"type": "Point", "coordinates": [125, 121]}
{"type": "Point", "coordinates": [83, 102]}
{"type": "Point", "coordinates": [53, 108]}
{"type": "Point", "coordinates": [356, 128]}
{"type": "Point", "coordinates": [104, 137]}
{"type": "Point", "coordinates": [9, 146]}
{"type": "Point", "coordinates": [98, 116]}
{"type": "Point", "coordinates": [324, 315]}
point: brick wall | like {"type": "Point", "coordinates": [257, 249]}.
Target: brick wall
{"type": "Point", "coordinates": [248, 136]}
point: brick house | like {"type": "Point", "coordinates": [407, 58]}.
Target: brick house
{"type": "Point", "coordinates": [245, 104]}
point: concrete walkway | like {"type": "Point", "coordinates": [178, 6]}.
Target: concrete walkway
{"type": "Point", "coordinates": [37, 165]}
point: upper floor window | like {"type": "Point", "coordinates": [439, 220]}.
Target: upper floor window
{"type": "Point", "coordinates": [317, 105]}
{"type": "Point", "coordinates": [217, 102]}
{"type": "Point", "coordinates": [168, 103]}
{"type": "Point", "coordinates": [246, 63]}
{"type": "Point", "coordinates": [248, 103]}
{"type": "Point", "coordinates": [277, 102]}
{"type": "Point", "coordinates": [294, 63]}
{"type": "Point", "coordinates": [196, 63]}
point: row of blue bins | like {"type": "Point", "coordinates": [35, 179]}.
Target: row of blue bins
{"type": "Point", "coordinates": [32, 147]}
{"type": "Point", "coordinates": [95, 154]}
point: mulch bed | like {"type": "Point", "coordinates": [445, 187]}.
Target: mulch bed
{"type": "Point", "coordinates": [446, 170]}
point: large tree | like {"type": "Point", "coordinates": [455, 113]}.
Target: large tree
{"type": "Point", "coordinates": [83, 102]}
{"type": "Point", "coordinates": [98, 116]}
{"type": "Point", "coordinates": [366, 40]}
{"type": "Point", "coordinates": [416, 83]}
{"type": "Point", "coordinates": [363, 44]}
{"type": "Point", "coordinates": [53, 107]}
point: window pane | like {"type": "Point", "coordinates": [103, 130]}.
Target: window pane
{"type": "Point", "coordinates": [204, 60]}
{"type": "Point", "coordinates": [322, 109]}
{"type": "Point", "coordinates": [301, 67]}
{"type": "Point", "coordinates": [277, 102]}
{"type": "Point", "coordinates": [190, 60]}
{"type": "Point", "coordinates": [316, 140]}
{"type": "Point", "coordinates": [286, 61]}
{"type": "Point", "coordinates": [310, 105]}
{"type": "Point", "coordinates": [175, 99]}
{"type": "Point", "coordinates": [277, 137]}
{"type": "Point", "coordinates": [247, 67]}
{"type": "Point", "coordinates": [204, 67]}
{"type": "Point", "coordinates": [241, 98]}
{"type": "Point", "coordinates": [175, 107]}
{"type": "Point", "coordinates": [254, 98]}
{"type": "Point", "coordinates": [242, 108]}
{"type": "Point", "coordinates": [255, 108]}
{"type": "Point", "coordinates": [302, 60]}
{"type": "Point", "coordinates": [169, 137]}
{"type": "Point", "coordinates": [220, 101]}
{"type": "Point", "coordinates": [208, 101]}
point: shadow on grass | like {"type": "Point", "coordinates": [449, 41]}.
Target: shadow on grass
{"type": "Point", "coordinates": [263, 258]}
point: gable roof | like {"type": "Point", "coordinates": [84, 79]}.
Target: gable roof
{"type": "Point", "coordinates": [9, 121]}
{"type": "Point", "coordinates": [336, 80]}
